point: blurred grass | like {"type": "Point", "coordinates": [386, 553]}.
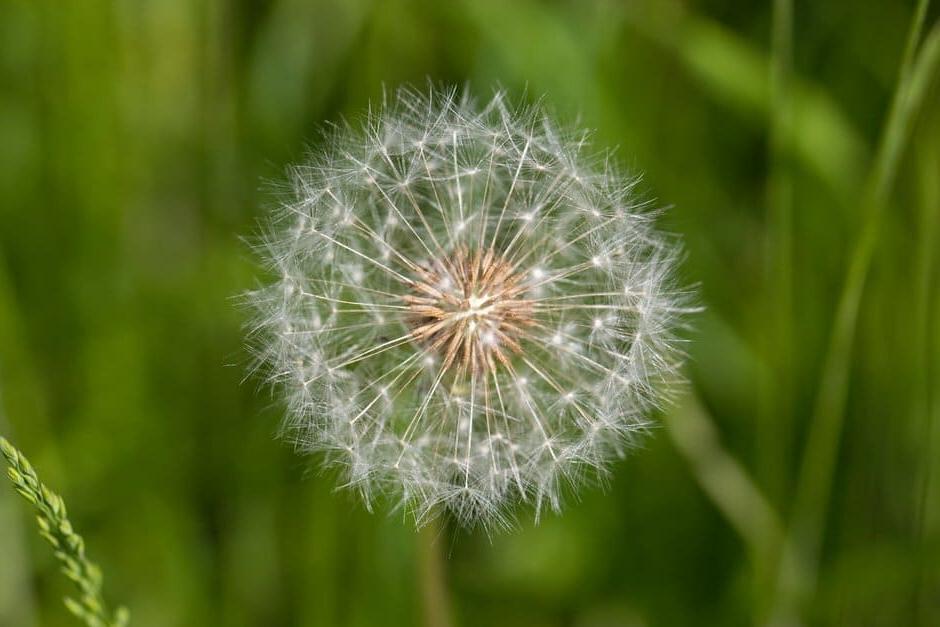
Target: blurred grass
{"type": "Point", "coordinates": [798, 570]}
{"type": "Point", "coordinates": [137, 142]}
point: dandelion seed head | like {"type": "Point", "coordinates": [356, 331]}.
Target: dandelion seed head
{"type": "Point", "coordinates": [472, 311]}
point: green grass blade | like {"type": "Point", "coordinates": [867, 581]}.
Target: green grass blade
{"type": "Point", "coordinates": [796, 574]}
{"type": "Point", "coordinates": [773, 428]}
{"type": "Point", "coordinates": [927, 399]}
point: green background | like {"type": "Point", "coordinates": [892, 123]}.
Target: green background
{"type": "Point", "coordinates": [138, 143]}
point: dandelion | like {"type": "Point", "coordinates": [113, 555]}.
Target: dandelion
{"type": "Point", "coordinates": [469, 311]}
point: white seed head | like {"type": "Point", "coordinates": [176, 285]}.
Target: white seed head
{"type": "Point", "coordinates": [468, 311]}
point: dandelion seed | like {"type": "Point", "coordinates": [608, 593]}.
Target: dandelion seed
{"type": "Point", "coordinates": [471, 312]}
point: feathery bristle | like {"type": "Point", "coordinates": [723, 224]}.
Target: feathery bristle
{"type": "Point", "coordinates": [469, 311]}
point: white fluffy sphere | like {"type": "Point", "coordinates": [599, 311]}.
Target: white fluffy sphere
{"type": "Point", "coordinates": [468, 312]}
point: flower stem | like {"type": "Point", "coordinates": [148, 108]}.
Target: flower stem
{"type": "Point", "coordinates": [432, 576]}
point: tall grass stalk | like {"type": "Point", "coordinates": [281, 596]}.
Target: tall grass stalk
{"type": "Point", "coordinates": [773, 435]}
{"type": "Point", "coordinates": [774, 424]}
{"type": "Point", "coordinates": [17, 600]}
{"type": "Point", "coordinates": [725, 481]}
{"type": "Point", "coordinates": [69, 547]}
{"type": "Point", "coordinates": [797, 569]}
{"type": "Point", "coordinates": [925, 369]}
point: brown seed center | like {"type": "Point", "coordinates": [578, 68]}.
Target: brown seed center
{"type": "Point", "coordinates": [470, 308]}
